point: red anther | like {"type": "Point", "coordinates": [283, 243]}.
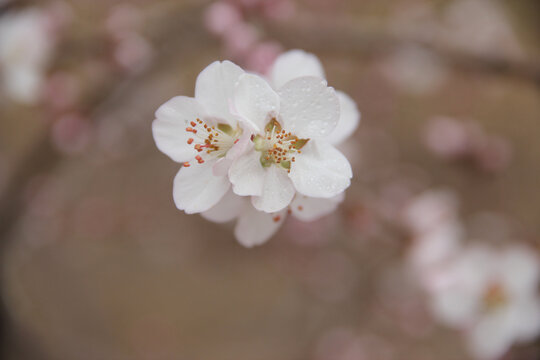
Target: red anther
{"type": "Point", "coordinates": [235, 141]}
{"type": "Point", "coordinates": [198, 147]}
{"type": "Point", "coordinates": [190, 141]}
{"type": "Point", "coordinates": [300, 208]}
{"type": "Point", "coordinates": [199, 159]}
{"type": "Point", "coordinates": [277, 218]}
{"type": "Point", "coordinates": [186, 164]}
{"type": "Point", "coordinates": [193, 123]}
{"type": "Point", "coordinates": [191, 130]}
{"type": "Point", "coordinates": [289, 211]}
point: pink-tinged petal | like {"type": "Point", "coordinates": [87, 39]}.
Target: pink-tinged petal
{"type": "Point", "coordinates": [309, 108]}
{"type": "Point", "coordinates": [349, 119]}
{"type": "Point", "coordinates": [294, 64]}
{"type": "Point", "coordinates": [320, 170]}
{"type": "Point", "coordinates": [221, 167]}
{"type": "Point", "coordinates": [277, 191]}
{"type": "Point", "coordinates": [247, 174]}
{"type": "Point", "coordinates": [255, 101]}
{"type": "Point", "coordinates": [310, 209]}
{"type": "Point", "coordinates": [215, 88]}
{"type": "Point", "coordinates": [169, 128]}
{"type": "Point", "coordinates": [227, 209]}
{"type": "Point", "coordinates": [256, 227]}
{"type": "Point", "coordinates": [196, 189]}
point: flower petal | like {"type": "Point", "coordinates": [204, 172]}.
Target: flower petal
{"type": "Point", "coordinates": [293, 64]}
{"type": "Point", "coordinates": [492, 336]}
{"type": "Point", "coordinates": [309, 209]}
{"type": "Point", "coordinates": [277, 192]}
{"type": "Point", "coordinates": [215, 88]}
{"type": "Point", "coordinates": [349, 119]}
{"type": "Point", "coordinates": [256, 227]}
{"type": "Point", "coordinates": [228, 208]}
{"type": "Point", "coordinates": [255, 101]}
{"type": "Point", "coordinates": [520, 271]}
{"type": "Point", "coordinates": [321, 170]}
{"type": "Point", "coordinates": [247, 174]}
{"type": "Point", "coordinates": [196, 189]}
{"type": "Point", "coordinates": [169, 128]}
{"type": "Point", "coordinates": [309, 108]}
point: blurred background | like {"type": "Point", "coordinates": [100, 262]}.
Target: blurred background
{"type": "Point", "coordinates": [97, 263]}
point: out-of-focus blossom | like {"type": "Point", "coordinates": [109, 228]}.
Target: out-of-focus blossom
{"type": "Point", "coordinates": [221, 16]}
{"type": "Point", "coordinates": [239, 39]}
{"type": "Point", "coordinates": [414, 70]}
{"type": "Point", "coordinates": [133, 52]}
{"type": "Point", "coordinates": [447, 138]}
{"type": "Point", "coordinates": [492, 296]}
{"type": "Point", "coordinates": [262, 56]}
{"type": "Point", "coordinates": [61, 91]}
{"type": "Point", "coordinates": [429, 210]}
{"type": "Point", "coordinates": [71, 133]}
{"type": "Point", "coordinates": [435, 230]}
{"type": "Point", "coordinates": [451, 139]}
{"type": "Point", "coordinates": [123, 20]}
{"type": "Point", "coordinates": [26, 47]}
{"type": "Point", "coordinates": [481, 27]}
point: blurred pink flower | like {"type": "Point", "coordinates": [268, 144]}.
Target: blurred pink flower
{"type": "Point", "coordinates": [71, 133]}
{"type": "Point", "coordinates": [262, 56]}
{"type": "Point", "coordinates": [239, 39]}
{"type": "Point", "coordinates": [221, 16]}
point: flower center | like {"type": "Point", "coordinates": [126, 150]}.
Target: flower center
{"type": "Point", "coordinates": [211, 142]}
{"type": "Point", "coordinates": [494, 297]}
{"type": "Point", "coordinates": [278, 146]}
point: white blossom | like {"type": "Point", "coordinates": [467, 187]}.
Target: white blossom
{"type": "Point", "coordinates": [492, 296]}
{"type": "Point", "coordinates": [26, 47]}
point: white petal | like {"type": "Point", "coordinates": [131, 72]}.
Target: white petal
{"type": "Point", "coordinates": [309, 108]}
{"type": "Point", "coordinates": [454, 307]}
{"type": "Point", "coordinates": [277, 193]}
{"type": "Point", "coordinates": [196, 189]}
{"type": "Point", "coordinates": [527, 319]}
{"type": "Point", "coordinates": [349, 119]}
{"type": "Point", "coordinates": [247, 174]}
{"type": "Point", "coordinates": [228, 208]}
{"type": "Point", "coordinates": [215, 88]}
{"type": "Point", "coordinates": [256, 227]}
{"type": "Point", "coordinates": [492, 336]}
{"type": "Point", "coordinates": [222, 166]}
{"type": "Point", "coordinates": [520, 271]}
{"type": "Point", "coordinates": [255, 101]}
{"type": "Point", "coordinates": [309, 209]}
{"type": "Point", "coordinates": [293, 64]}
{"type": "Point", "coordinates": [320, 170]}
{"type": "Point", "coordinates": [169, 128]}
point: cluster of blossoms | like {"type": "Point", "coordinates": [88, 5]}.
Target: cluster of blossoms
{"type": "Point", "coordinates": [490, 294]}
{"type": "Point", "coordinates": [256, 148]}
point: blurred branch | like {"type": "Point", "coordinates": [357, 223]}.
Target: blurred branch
{"type": "Point", "coordinates": [351, 39]}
